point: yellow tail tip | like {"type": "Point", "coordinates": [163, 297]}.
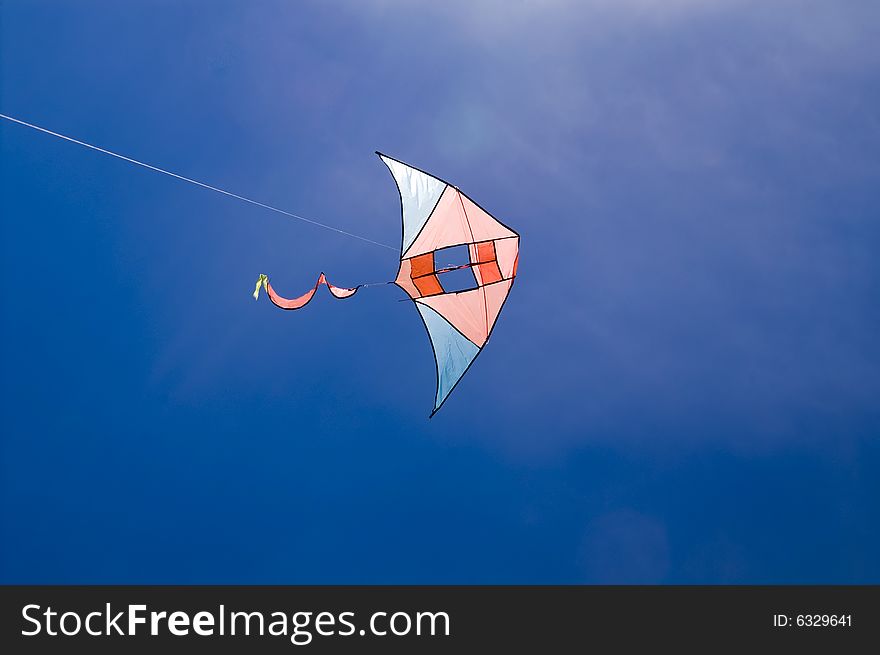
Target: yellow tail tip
{"type": "Point", "coordinates": [262, 281]}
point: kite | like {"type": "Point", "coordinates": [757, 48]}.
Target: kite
{"type": "Point", "coordinates": [436, 215]}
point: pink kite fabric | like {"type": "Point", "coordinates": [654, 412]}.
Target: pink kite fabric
{"type": "Point", "coordinates": [456, 220]}
{"type": "Point", "coordinates": [493, 250]}
{"type": "Point", "coordinates": [303, 300]}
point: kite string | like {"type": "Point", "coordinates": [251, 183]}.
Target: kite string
{"type": "Point", "coordinates": [195, 182]}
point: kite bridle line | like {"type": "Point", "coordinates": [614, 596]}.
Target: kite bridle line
{"type": "Point", "coordinates": [201, 184]}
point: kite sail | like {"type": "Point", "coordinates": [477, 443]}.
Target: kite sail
{"type": "Point", "coordinates": [436, 215]}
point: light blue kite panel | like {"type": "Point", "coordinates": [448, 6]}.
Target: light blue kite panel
{"type": "Point", "coordinates": [419, 193]}
{"type": "Point", "coordinates": [452, 351]}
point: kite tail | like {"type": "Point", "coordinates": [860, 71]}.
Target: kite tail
{"type": "Point", "coordinates": [303, 300]}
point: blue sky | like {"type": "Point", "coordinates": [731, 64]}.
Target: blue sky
{"type": "Point", "coordinates": [683, 386]}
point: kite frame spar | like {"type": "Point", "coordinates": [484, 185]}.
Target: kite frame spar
{"type": "Point", "coordinates": [403, 246]}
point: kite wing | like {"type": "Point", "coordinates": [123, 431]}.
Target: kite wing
{"type": "Point", "coordinates": [437, 215]}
